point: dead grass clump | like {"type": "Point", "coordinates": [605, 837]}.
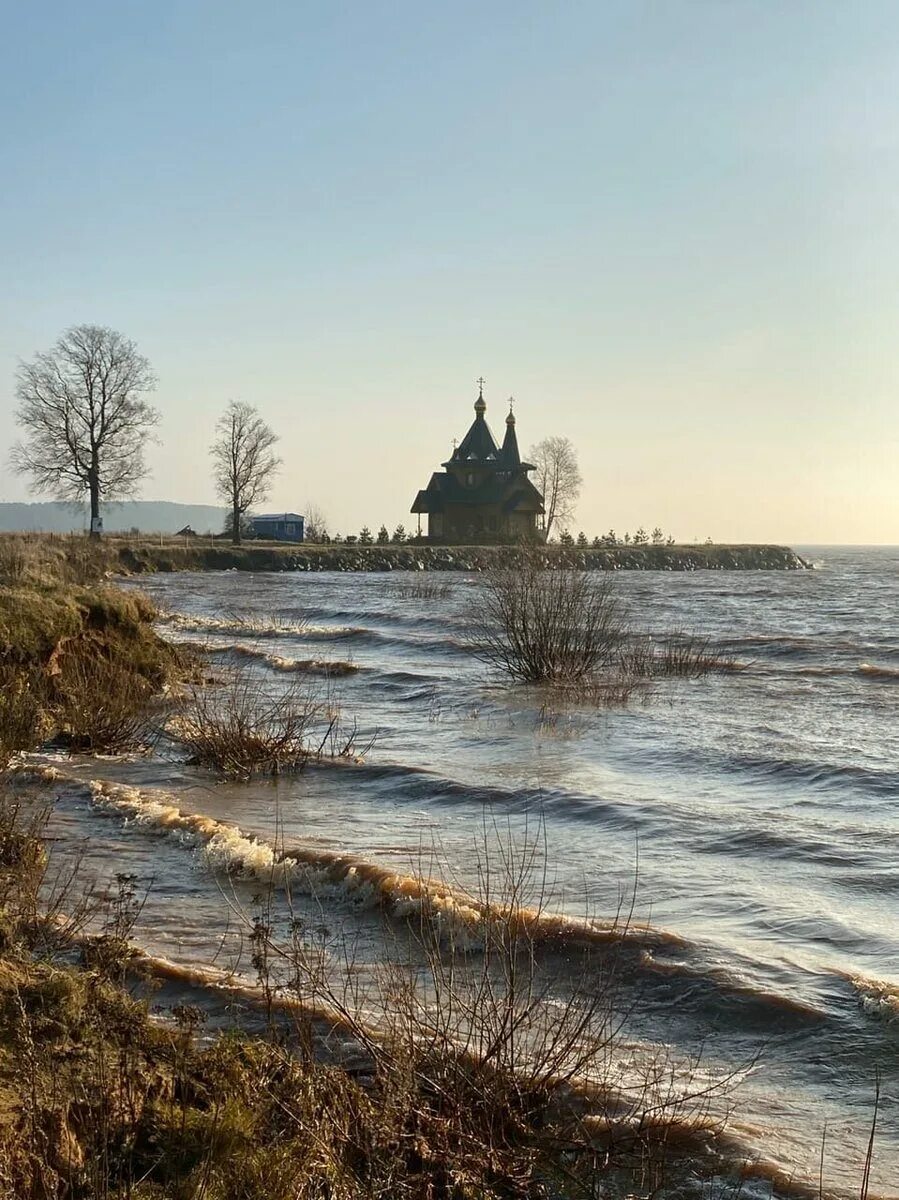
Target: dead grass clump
{"type": "Point", "coordinates": [14, 560]}
{"type": "Point", "coordinates": [244, 728]}
{"type": "Point", "coordinates": [24, 721]}
{"type": "Point", "coordinates": [101, 705]}
{"type": "Point", "coordinates": [674, 655]}
{"type": "Point", "coordinates": [424, 590]}
{"type": "Point", "coordinates": [268, 624]}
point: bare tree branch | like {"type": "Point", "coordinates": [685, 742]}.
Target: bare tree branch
{"type": "Point", "coordinates": [85, 420]}
{"type": "Point", "coordinates": [244, 463]}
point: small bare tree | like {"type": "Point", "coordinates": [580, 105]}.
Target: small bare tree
{"type": "Point", "coordinates": [316, 528]}
{"type": "Point", "coordinates": [244, 461]}
{"type": "Point", "coordinates": [558, 478]}
{"type": "Point", "coordinates": [85, 420]}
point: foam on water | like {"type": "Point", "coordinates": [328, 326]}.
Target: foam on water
{"type": "Point", "coordinates": [227, 848]}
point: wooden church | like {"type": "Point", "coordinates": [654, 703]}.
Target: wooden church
{"type": "Point", "coordinates": [483, 493]}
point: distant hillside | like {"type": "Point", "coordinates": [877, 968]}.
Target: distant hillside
{"type": "Point", "coordinates": [149, 516]}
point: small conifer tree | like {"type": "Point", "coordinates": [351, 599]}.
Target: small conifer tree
{"type": "Point", "coordinates": [365, 538]}
{"type": "Point", "coordinates": [383, 536]}
{"type": "Point", "coordinates": [582, 538]}
{"type": "Point", "coordinates": [641, 537]}
{"type": "Point", "coordinates": [399, 534]}
{"type": "Point", "coordinates": [566, 539]}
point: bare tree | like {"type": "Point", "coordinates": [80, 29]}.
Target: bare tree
{"type": "Point", "coordinates": [558, 478]}
{"type": "Point", "coordinates": [85, 420]}
{"type": "Point", "coordinates": [244, 462]}
{"type": "Point", "coordinates": [316, 527]}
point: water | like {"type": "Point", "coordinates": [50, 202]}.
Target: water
{"type": "Point", "coordinates": [757, 812]}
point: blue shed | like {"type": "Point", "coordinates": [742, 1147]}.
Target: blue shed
{"type": "Point", "coordinates": [278, 527]}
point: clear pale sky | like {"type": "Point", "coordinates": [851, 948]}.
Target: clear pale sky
{"type": "Point", "coordinates": [671, 229]}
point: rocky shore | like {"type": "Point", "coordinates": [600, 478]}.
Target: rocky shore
{"type": "Point", "coordinates": [137, 557]}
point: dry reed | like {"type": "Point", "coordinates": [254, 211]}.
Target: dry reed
{"type": "Point", "coordinates": [244, 728]}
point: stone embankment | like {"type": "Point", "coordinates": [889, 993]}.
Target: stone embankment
{"type": "Point", "coordinates": [138, 558]}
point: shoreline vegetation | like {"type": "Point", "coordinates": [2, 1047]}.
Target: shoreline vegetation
{"type": "Point", "coordinates": [120, 1078]}
{"type": "Point", "coordinates": [290, 1091]}
{"type": "Point", "coordinates": [79, 559]}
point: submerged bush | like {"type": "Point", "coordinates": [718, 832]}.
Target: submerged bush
{"type": "Point", "coordinates": [541, 625]}
{"type": "Point", "coordinates": [560, 626]}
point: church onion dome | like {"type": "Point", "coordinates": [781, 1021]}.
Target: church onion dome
{"type": "Point", "coordinates": [509, 455]}
{"type": "Point", "coordinates": [479, 444]}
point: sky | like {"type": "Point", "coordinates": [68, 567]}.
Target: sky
{"type": "Point", "coordinates": [669, 229]}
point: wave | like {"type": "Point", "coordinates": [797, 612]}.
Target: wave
{"type": "Point", "coordinates": [877, 998]}
{"type": "Point", "coordinates": [277, 662]}
{"type": "Point", "coordinates": [228, 849]}
{"type": "Point", "coordinates": [419, 784]}
{"type": "Point", "coordinates": [436, 619]}
{"type": "Point", "coordinates": [302, 630]}
{"type": "Point", "coordinates": [249, 626]}
{"type": "Point", "coordinates": [786, 646]}
{"type": "Point", "coordinates": [816, 774]}
{"type": "Point", "coordinates": [674, 970]}
{"type": "Point", "coordinates": [455, 915]}
{"type": "Point", "coordinates": [873, 671]}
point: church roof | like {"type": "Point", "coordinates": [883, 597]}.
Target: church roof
{"type": "Point", "coordinates": [515, 493]}
{"type": "Point", "coordinates": [479, 444]}
{"type": "Point", "coordinates": [509, 454]}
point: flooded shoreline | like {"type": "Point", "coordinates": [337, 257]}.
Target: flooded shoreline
{"type": "Point", "coordinates": [747, 822]}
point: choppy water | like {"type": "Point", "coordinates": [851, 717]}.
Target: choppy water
{"type": "Point", "coordinates": [759, 812]}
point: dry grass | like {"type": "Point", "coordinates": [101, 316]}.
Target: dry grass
{"type": "Point", "coordinates": [424, 590]}
{"type": "Point", "coordinates": [101, 706]}
{"type": "Point", "coordinates": [24, 718]}
{"type": "Point", "coordinates": [48, 559]}
{"type": "Point", "coordinates": [80, 662]}
{"type": "Point", "coordinates": [673, 655]}
{"type": "Point", "coordinates": [465, 1090]}
{"type": "Point", "coordinates": [244, 728]}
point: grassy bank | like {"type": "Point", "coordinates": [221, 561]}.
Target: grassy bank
{"type": "Point", "coordinates": [77, 662]}
{"type": "Point", "coordinates": [39, 556]}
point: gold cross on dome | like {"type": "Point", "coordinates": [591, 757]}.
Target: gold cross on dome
{"type": "Point", "coordinates": [480, 382]}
